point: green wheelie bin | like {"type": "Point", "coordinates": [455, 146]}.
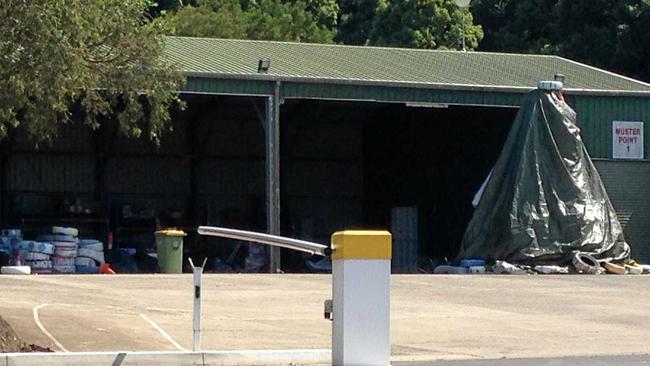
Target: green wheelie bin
{"type": "Point", "coordinates": [169, 245]}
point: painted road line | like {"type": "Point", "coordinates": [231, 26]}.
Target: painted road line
{"type": "Point", "coordinates": [37, 320]}
{"type": "Point", "coordinates": [164, 334]}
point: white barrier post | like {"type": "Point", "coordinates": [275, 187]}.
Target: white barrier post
{"type": "Point", "coordinates": [361, 298]}
{"type": "Point", "coordinates": [196, 327]}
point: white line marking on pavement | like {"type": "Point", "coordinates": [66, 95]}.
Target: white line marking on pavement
{"type": "Point", "coordinates": [169, 310]}
{"type": "Point", "coordinates": [164, 334]}
{"type": "Point", "coordinates": [49, 335]}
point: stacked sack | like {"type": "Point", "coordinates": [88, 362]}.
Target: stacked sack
{"type": "Point", "coordinates": [36, 255]}
{"type": "Point", "coordinates": [65, 242]}
{"type": "Point", "coordinates": [89, 256]}
{"type": "Point", "coordinates": [9, 239]}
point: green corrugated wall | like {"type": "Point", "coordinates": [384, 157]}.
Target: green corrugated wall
{"type": "Point", "coordinates": [596, 113]}
{"type": "Point", "coordinates": [628, 186]}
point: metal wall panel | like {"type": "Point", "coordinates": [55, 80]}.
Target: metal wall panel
{"type": "Point", "coordinates": [595, 115]}
{"type": "Point", "coordinates": [171, 142]}
{"type": "Point", "coordinates": [393, 94]}
{"type": "Point", "coordinates": [42, 173]}
{"type": "Point", "coordinates": [321, 133]}
{"type": "Point", "coordinates": [628, 186]}
{"type": "Point", "coordinates": [242, 138]}
{"type": "Point", "coordinates": [72, 137]}
{"type": "Point", "coordinates": [231, 177]}
{"type": "Point", "coordinates": [152, 175]}
{"type": "Point", "coordinates": [327, 215]}
{"type": "Point", "coordinates": [405, 230]}
{"type": "Point", "coordinates": [323, 179]}
{"type": "Point", "coordinates": [223, 86]}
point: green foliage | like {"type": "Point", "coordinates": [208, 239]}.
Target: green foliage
{"type": "Point", "coordinates": [633, 51]}
{"type": "Point", "coordinates": [272, 20]}
{"type": "Point", "coordinates": [515, 26]}
{"type": "Point", "coordinates": [424, 24]}
{"type": "Point", "coordinates": [262, 19]}
{"type": "Point", "coordinates": [611, 34]}
{"type": "Point", "coordinates": [325, 12]}
{"type": "Point", "coordinates": [102, 55]}
{"type": "Point", "coordinates": [356, 20]}
{"type": "Point", "coordinates": [219, 19]}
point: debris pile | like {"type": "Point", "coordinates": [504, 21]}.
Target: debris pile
{"type": "Point", "coordinates": [580, 263]}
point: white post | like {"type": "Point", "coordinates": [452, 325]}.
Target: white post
{"type": "Point", "coordinates": [196, 327]}
{"type": "Point", "coordinates": [361, 298]}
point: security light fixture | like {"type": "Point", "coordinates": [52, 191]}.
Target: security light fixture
{"type": "Point", "coordinates": [264, 65]}
{"type": "Point", "coordinates": [559, 77]}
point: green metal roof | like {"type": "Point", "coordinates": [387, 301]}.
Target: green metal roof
{"type": "Point", "coordinates": [381, 66]}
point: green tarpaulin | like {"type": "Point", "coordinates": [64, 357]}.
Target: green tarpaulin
{"type": "Point", "coordinates": [544, 198]}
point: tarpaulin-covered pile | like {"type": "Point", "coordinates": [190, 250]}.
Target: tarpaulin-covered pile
{"type": "Point", "coordinates": [544, 199]}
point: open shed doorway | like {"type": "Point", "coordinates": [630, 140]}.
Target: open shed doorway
{"type": "Point", "coordinates": [345, 165]}
{"type": "Point", "coordinates": [433, 159]}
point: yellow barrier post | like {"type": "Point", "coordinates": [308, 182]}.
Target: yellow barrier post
{"type": "Point", "coordinates": [361, 298]}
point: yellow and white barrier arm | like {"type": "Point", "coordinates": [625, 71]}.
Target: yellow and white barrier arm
{"type": "Point", "coordinates": [360, 289]}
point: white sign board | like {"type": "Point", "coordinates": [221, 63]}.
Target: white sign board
{"type": "Point", "coordinates": [627, 140]}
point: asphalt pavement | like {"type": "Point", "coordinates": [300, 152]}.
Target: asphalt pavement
{"type": "Point", "coordinates": [435, 319]}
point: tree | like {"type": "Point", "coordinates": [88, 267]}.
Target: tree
{"type": "Point", "coordinates": [516, 25]}
{"type": "Point", "coordinates": [325, 12]}
{"type": "Point", "coordinates": [356, 19]}
{"type": "Point", "coordinates": [610, 34]}
{"type": "Point", "coordinates": [633, 50]}
{"type": "Point", "coordinates": [262, 19]}
{"type": "Point", "coordinates": [424, 24]}
{"type": "Point", "coordinates": [101, 55]}
{"type": "Point", "coordinates": [272, 20]}
{"type": "Point", "coordinates": [216, 18]}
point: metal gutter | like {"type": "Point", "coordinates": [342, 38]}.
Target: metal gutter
{"type": "Point", "coordinates": [408, 84]}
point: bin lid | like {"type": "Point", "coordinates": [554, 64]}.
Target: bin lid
{"type": "Point", "coordinates": [170, 232]}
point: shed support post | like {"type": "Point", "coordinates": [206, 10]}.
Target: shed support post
{"type": "Point", "coordinates": [361, 298]}
{"type": "Point", "coordinates": [273, 174]}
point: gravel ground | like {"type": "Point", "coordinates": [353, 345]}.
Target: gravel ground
{"type": "Point", "coordinates": [9, 341]}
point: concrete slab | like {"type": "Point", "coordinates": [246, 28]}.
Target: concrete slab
{"type": "Point", "coordinates": [105, 359]}
{"type": "Point", "coordinates": [432, 317]}
{"type": "Point", "coordinates": [268, 357]}
{"type": "Point", "coordinates": [230, 358]}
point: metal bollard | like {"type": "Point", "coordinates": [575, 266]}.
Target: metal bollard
{"type": "Point", "coordinates": [361, 298]}
{"type": "Point", "coordinates": [196, 323]}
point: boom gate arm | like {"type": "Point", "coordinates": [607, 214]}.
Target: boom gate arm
{"type": "Point", "coordinates": [360, 305]}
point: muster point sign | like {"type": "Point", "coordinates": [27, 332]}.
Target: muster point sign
{"type": "Point", "coordinates": [627, 140]}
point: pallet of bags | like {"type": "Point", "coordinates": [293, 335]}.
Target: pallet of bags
{"type": "Point", "coordinates": [65, 243]}
{"type": "Point", "coordinates": [65, 254]}
{"type": "Point", "coordinates": [89, 256]}
{"type": "Point", "coordinates": [37, 255]}
{"type": "Point", "coordinates": [9, 240]}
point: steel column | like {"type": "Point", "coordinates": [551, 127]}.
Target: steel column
{"type": "Point", "coordinates": [273, 174]}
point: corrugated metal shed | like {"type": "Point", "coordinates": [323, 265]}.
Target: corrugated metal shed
{"type": "Point", "coordinates": [318, 71]}
{"type": "Point", "coordinates": [238, 59]}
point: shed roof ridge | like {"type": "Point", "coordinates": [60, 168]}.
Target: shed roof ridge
{"type": "Point", "coordinates": [640, 82]}
{"type": "Point", "coordinates": [338, 45]}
